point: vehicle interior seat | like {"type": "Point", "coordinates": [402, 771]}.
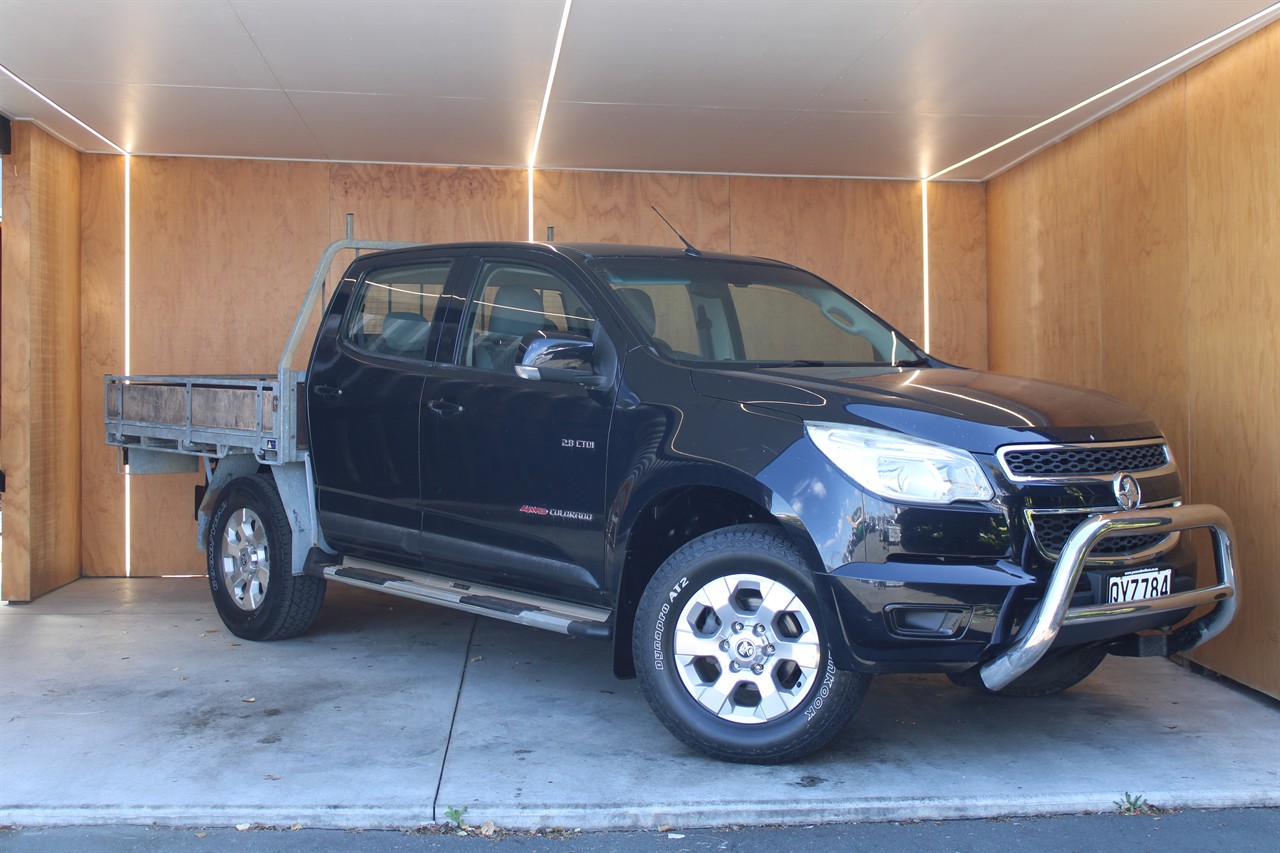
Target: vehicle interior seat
{"type": "Point", "coordinates": [640, 306]}
{"type": "Point", "coordinates": [517, 310]}
{"type": "Point", "coordinates": [404, 333]}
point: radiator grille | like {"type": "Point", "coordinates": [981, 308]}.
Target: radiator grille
{"type": "Point", "coordinates": [1050, 462]}
{"type": "Point", "coordinates": [1051, 530]}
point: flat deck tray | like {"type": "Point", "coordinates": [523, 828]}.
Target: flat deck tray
{"type": "Point", "coordinates": [213, 404]}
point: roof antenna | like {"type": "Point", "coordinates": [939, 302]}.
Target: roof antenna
{"type": "Point", "coordinates": [688, 247]}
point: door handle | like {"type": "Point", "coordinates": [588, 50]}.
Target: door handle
{"type": "Point", "coordinates": [327, 391]}
{"type": "Point", "coordinates": [444, 408]}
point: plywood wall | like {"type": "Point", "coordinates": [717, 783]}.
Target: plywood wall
{"type": "Point", "coordinates": [864, 236]}
{"type": "Point", "coordinates": [428, 204]}
{"type": "Point", "coordinates": [1143, 259]}
{"type": "Point", "coordinates": [1232, 331]}
{"type": "Point", "coordinates": [614, 207]}
{"type": "Point", "coordinates": [222, 251]}
{"type": "Point", "coordinates": [958, 273]}
{"type": "Point", "coordinates": [102, 491]}
{"type": "Point", "coordinates": [1045, 264]}
{"type": "Point", "coordinates": [39, 424]}
{"type": "Point", "coordinates": [1140, 257]}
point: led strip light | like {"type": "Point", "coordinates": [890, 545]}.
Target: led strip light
{"type": "Point", "coordinates": [546, 99]}
{"type": "Point", "coordinates": [924, 184]}
{"type": "Point", "coordinates": [24, 84]}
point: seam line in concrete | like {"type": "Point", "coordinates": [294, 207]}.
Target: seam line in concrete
{"type": "Point", "coordinates": [453, 719]}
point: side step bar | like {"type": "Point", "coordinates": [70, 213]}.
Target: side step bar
{"type": "Point", "coordinates": [563, 617]}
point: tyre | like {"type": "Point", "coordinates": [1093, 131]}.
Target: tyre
{"type": "Point", "coordinates": [1050, 675]}
{"type": "Point", "coordinates": [250, 549]}
{"type": "Point", "coordinates": [731, 653]}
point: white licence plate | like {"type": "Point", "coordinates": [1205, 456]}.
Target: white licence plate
{"type": "Point", "coordinates": [1135, 586]}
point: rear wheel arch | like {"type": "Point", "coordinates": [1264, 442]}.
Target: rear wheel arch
{"type": "Point", "coordinates": [226, 470]}
{"type": "Point", "coordinates": [293, 486]}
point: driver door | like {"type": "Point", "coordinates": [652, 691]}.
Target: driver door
{"type": "Point", "coordinates": [513, 482]}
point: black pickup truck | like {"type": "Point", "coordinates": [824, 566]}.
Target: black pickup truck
{"type": "Point", "coordinates": [759, 492]}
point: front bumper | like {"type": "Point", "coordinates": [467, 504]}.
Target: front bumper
{"type": "Point", "coordinates": [1053, 611]}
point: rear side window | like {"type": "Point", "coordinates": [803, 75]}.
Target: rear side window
{"type": "Point", "coordinates": [394, 308]}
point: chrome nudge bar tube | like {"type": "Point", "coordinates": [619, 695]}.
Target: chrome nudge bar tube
{"type": "Point", "coordinates": [1041, 628]}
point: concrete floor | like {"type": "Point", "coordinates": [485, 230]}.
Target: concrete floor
{"type": "Point", "coordinates": [126, 701]}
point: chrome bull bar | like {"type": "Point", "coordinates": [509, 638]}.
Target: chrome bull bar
{"type": "Point", "coordinates": [1041, 628]}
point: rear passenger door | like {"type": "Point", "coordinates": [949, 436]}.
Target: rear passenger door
{"type": "Point", "coordinates": [513, 490]}
{"type": "Point", "coordinates": [364, 398]}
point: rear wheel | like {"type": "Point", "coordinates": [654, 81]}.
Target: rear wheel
{"type": "Point", "coordinates": [731, 654]}
{"type": "Point", "coordinates": [249, 549]}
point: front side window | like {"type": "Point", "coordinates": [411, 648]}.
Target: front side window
{"type": "Point", "coordinates": [394, 307]}
{"type": "Point", "coordinates": [737, 314]}
{"type": "Point", "coordinates": [512, 300]}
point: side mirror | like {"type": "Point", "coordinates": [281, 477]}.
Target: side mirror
{"type": "Point", "coordinates": [558, 357]}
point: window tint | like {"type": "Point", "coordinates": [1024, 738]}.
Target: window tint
{"type": "Point", "coordinates": [393, 310]}
{"type": "Point", "coordinates": [511, 301]}
{"type": "Point", "coordinates": [779, 327]}
{"type": "Point", "coordinates": [741, 313]}
{"type": "Point", "coordinates": [665, 313]}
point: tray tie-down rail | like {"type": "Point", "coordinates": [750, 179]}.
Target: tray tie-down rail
{"type": "Point", "coordinates": [196, 415]}
{"type": "Point", "coordinates": [1052, 612]}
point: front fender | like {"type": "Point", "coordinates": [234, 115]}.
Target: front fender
{"type": "Point", "coordinates": [818, 505]}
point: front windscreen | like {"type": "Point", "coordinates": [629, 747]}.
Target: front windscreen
{"type": "Point", "coordinates": [734, 313]}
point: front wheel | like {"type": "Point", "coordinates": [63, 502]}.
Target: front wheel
{"type": "Point", "coordinates": [250, 549]}
{"type": "Point", "coordinates": [731, 654]}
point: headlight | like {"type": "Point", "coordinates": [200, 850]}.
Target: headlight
{"type": "Point", "coordinates": [901, 468]}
